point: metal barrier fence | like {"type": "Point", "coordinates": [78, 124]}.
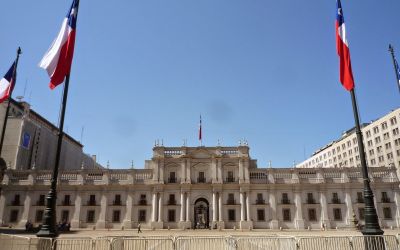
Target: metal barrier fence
{"type": "Point", "coordinates": [14, 242]}
{"type": "Point", "coordinates": [387, 242]}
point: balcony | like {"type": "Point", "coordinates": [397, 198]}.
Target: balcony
{"type": "Point", "coordinates": [142, 202]}
{"type": "Point", "coordinates": [66, 203]}
{"type": "Point", "coordinates": [311, 201]}
{"type": "Point", "coordinates": [336, 201]}
{"type": "Point", "coordinates": [172, 180]}
{"type": "Point", "coordinates": [385, 200]}
{"type": "Point", "coordinates": [260, 201]}
{"type": "Point", "coordinates": [360, 200]}
{"type": "Point", "coordinates": [230, 202]}
{"type": "Point", "coordinates": [117, 203]}
{"type": "Point", "coordinates": [171, 202]}
{"type": "Point", "coordinates": [40, 203]}
{"type": "Point", "coordinates": [230, 180]}
{"type": "Point", "coordinates": [16, 203]}
{"type": "Point", "coordinates": [285, 201]}
{"type": "Point", "coordinates": [201, 180]}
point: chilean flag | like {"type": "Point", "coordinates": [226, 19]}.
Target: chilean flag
{"type": "Point", "coordinates": [346, 74]}
{"type": "Point", "coordinates": [7, 83]}
{"type": "Point", "coordinates": [57, 61]}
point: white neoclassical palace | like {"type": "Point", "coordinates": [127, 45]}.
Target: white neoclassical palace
{"type": "Point", "coordinates": [201, 187]}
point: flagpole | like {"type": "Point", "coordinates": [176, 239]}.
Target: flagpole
{"type": "Point", "coordinates": [3, 164]}
{"type": "Point", "coordinates": [49, 223]}
{"type": "Point", "coordinates": [396, 70]}
{"type": "Point", "coordinates": [371, 218]}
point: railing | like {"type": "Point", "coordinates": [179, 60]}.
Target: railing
{"type": "Point", "coordinates": [172, 180]}
{"type": "Point", "coordinates": [360, 200]}
{"type": "Point", "coordinates": [117, 203]}
{"type": "Point", "coordinates": [201, 180]}
{"type": "Point", "coordinates": [230, 180]}
{"type": "Point", "coordinates": [311, 201]}
{"type": "Point", "coordinates": [385, 200]}
{"type": "Point", "coordinates": [172, 152]}
{"type": "Point", "coordinates": [229, 151]}
{"type": "Point", "coordinates": [260, 201]}
{"type": "Point", "coordinates": [91, 203]}
{"type": "Point", "coordinates": [336, 201]}
{"type": "Point", "coordinates": [171, 202]}
{"type": "Point", "coordinates": [230, 202]}
{"type": "Point", "coordinates": [285, 201]}
{"type": "Point", "coordinates": [142, 202]}
{"type": "Point", "coordinates": [66, 203]}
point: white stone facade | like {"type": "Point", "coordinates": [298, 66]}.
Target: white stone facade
{"type": "Point", "coordinates": [188, 187]}
{"type": "Point", "coordinates": [381, 142]}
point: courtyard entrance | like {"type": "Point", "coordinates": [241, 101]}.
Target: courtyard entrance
{"type": "Point", "coordinates": [201, 214]}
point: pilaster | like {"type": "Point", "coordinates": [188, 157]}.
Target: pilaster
{"type": "Point", "coordinates": [75, 222]}
{"type": "Point", "coordinates": [101, 222]}
{"type": "Point", "coordinates": [25, 213]}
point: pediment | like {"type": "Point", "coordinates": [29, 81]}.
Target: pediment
{"type": "Point", "coordinates": [201, 154]}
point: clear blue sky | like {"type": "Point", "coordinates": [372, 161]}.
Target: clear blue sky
{"type": "Point", "coordinates": [262, 70]}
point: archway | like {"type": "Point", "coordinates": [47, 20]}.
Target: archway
{"type": "Point", "coordinates": [201, 214]}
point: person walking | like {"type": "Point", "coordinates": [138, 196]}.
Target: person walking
{"type": "Point", "coordinates": [138, 228]}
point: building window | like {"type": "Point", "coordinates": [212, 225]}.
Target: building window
{"type": "Point", "coordinates": [337, 214]}
{"type": "Point", "coordinates": [384, 126]}
{"type": "Point", "coordinates": [92, 200]}
{"type": "Point", "coordinates": [90, 216]}
{"type": "Point", "coordinates": [379, 149]}
{"type": "Point", "coordinates": [171, 215]}
{"type": "Point", "coordinates": [67, 200]}
{"type": "Point", "coordinates": [16, 201]}
{"type": "Point", "coordinates": [389, 156]}
{"type": "Point", "coordinates": [371, 152]}
{"type": "Point", "coordinates": [117, 200]}
{"type": "Point", "coordinates": [360, 197]}
{"type": "Point", "coordinates": [387, 213]}
{"type": "Point", "coordinates": [231, 199]}
{"type": "Point", "coordinates": [361, 213]}
{"type": "Point", "coordinates": [231, 215]}
{"type": "Point", "coordinates": [65, 215]}
{"type": "Point", "coordinates": [171, 200]}
{"type": "Point", "coordinates": [368, 134]}
{"type": "Point", "coordinates": [386, 136]}
{"type": "Point", "coordinates": [260, 199]}
{"type": "Point", "coordinates": [377, 139]}
{"type": "Point", "coordinates": [388, 145]}
{"type": "Point", "coordinates": [310, 198]}
{"type": "Point", "coordinates": [335, 198]}
{"type": "Point", "coordinates": [14, 215]}
{"type": "Point", "coordinates": [260, 214]}
{"type": "Point", "coordinates": [172, 177]}
{"type": "Point", "coordinates": [380, 159]}
{"type": "Point", "coordinates": [230, 177]}
{"type": "Point", "coordinates": [116, 216]}
{"type": "Point", "coordinates": [39, 216]}
{"type": "Point", "coordinates": [372, 161]}
{"type": "Point", "coordinates": [142, 215]}
{"type": "Point", "coordinates": [370, 143]}
{"type": "Point", "coordinates": [393, 121]}
{"type": "Point", "coordinates": [354, 141]}
{"type": "Point", "coordinates": [286, 214]}
{"type": "Point", "coordinates": [142, 200]}
{"type": "Point", "coordinates": [201, 178]}
{"type": "Point", "coordinates": [312, 214]}
{"type": "Point", "coordinates": [385, 197]}
{"type": "Point", "coordinates": [41, 201]}
{"type": "Point", "coordinates": [376, 130]}
{"type": "Point", "coordinates": [397, 142]}
{"type": "Point", "coordinates": [285, 198]}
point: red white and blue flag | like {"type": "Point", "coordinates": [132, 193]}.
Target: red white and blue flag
{"type": "Point", "coordinates": [7, 83]}
{"type": "Point", "coordinates": [346, 74]}
{"type": "Point", "coordinates": [58, 59]}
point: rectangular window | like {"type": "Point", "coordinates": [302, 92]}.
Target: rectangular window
{"type": "Point", "coordinates": [379, 149]}
{"type": "Point", "coordinates": [373, 162]}
{"type": "Point", "coordinates": [386, 136]}
{"type": "Point", "coordinates": [65, 215]}
{"type": "Point", "coordinates": [390, 156]}
{"type": "Point", "coordinates": [393, 121]}
{"type": "Point", "coordinates": [260, 199]}
{"type": "Point", "coordinates": [387, 213]}
{"type": "Point", "coordinates": [260, 214]}
{"type": "Point", "coordinates": [285, 198]}
{"type": "Point", "coordinates": [171, 200]}
{"type": "Point", "coordinates": [377, 139]}
{"type": "Point", "coordinates": [231, 199]}
{"type": "Point", "coordinates": [371, 152]}
{"type": "Point", "coordinates": [39, 216]}
{"type": "Point", "coordinates": [231, 215]}
{"type": "Point", "coordinates": [360, 197]}
{"type": "Point", "coordinates": [16, 201]}
{"type": "Point", "coordinates": [117, 200]}
{"type": "Point", "coordinates": [142, 200]}
{"type": "Point", "coordinates": [388, 145]}
{"type": "Point", "coordinates": [368, 134]}
{"type": "Point", "coordinates": [376, 130]}
{"type": "Point", "coordinates": [335, 198]}
{"type": "Point", "coordinates": [230, 177]}
{"type": "Point", "coordinates": [116, 216]}
{"type": "Point", "coordinates": [310, 198]}
{"type": "Point", "coordinates": [13, 215]}
{"type": "Point", "coordinates": [172, 177]}
{"type": "Point", "coordinates": [385, 197]}
{"type": "Point", "coordinates": [384, 125]}
{"type": "Point", "coordinates": [380, 159]}
{"type": "Point", "coordinates": [202, 178]}
{"type": "Point", "coordinates": [142, 215]}
{"type": "Point", "coordinates": [369, 143]}
{"type": "Point", "coordinates": [90, 216]}
{"type": "Point", "coordinates": [41, 201]}
{"type": "Point", "coordinates": [67, 200]}
{"type": "Point", "coordinates": [312, 214]}
{"type": "Point", "coordinates": [361, 213]}
{"type": "Point", "coordinates": [337, 214]}
{"type": "Point", "coordinates": [171, 215]}
{"type": "Point", "coordinates": [92, 200]}
{"type": "Point", "coordinates": [286, 214]}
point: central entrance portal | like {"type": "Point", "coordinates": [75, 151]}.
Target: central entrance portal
{"type": "Point", "coordinates": [201, 214]}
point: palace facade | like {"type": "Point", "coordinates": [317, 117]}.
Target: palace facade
{"type": "Point", "coordinates": [202, 187]}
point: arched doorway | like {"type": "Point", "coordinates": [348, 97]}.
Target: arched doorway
{"type": "Point", "coordinates": [201, 214]}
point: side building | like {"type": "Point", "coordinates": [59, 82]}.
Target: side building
{"type": "Point", "coordinates": [201, 187]}
{"type": "Point", "coordinates": [31, 142]}
{"type": "Point", "coordinates": [381, 142]}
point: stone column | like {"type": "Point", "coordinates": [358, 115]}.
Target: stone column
{"type": "Point", "coordinates": [242, 207]}
{"type": "Point", "coordinates": [101, 223]}
{"type": "Point", "coordinates": [220, 206]}
{"type": "Point", "coordinates": [160, 207]}
{"type": "Point", "coordinates": [240, 170]}
{"type": "Point", "coordinates": [272, 201]}
{"type": "Point", "coordinates": [188, 176]}
{"type": "Point", "coordinates": [349, 205]}
{"type": "Point", "coordinates": [397, 202]}
{"type": "Point", "coordinates": [161, 166]}
{"type": "Point", "coordinates": [187, 206]}
{"type": "Point", "coordinates": [246, 170]}
{"type": "Point", "coordinates": [75, 222]}
{"type": "Point", "coordinates": [2, 207]}
{"type": "Point", "coordinates": [219, 170]}
{"type": "Point", "coordinates": [299, 211]}
{"type": "Point", "coordinates": [182, 206]}
{"type": "Point", "coordinates": [154, 208]}
{"type": "Point", "coordinates": [128, 213]}
{"type": "Point", "coordinates": [214, 204]}
{"type": "Point", "coordinates": [325, 222]}
{"type": "Point", "coordinates": [183, 169]}
{"type": "Point", "coordinates": [25, 212]}
{"type": "Point", "coordinates": [248, 207]}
